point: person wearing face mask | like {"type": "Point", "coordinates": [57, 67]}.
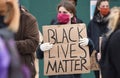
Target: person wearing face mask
{"type": "Point", "coordinates": [74, 2]}
{"type": "Point", "coordinates": [66, 15]}
{"type": "Point", "coordinates": [97, 27]}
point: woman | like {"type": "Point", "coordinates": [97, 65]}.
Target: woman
{"type": "Point", "coordinates": [110, 67]}
{"type": "Point", "coordinates": [74, 2]}
{"type": "Point", "coordinates": [67, 11]}
{"type": "Point", "coordinates": [98, 26]}
{"type": "Point", "coordinates": [66, 15]}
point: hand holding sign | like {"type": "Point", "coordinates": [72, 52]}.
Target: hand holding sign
{"type": "Point", "coordinates": [84, 41]}
{"type": "Point", "coordinates": [46, 46]}
{"type": "Point", "coordinates": [98, 56]}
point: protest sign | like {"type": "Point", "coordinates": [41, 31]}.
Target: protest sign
{"type": "Point", "coordinates": [66, 56]}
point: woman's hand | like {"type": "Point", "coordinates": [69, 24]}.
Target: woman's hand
{"type": "Point", "coordinates": [46, 46]}
{"type": "Point", "coordinates": [84, 41]}
{"type": "Point", "coordinates": [98, 56]}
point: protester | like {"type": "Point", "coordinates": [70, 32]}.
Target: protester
{"type": "Point", "coordinates": [74, 2]}
{"type": "Point", "coordinates": [98, 26]}
{"type": "Point", "coordinates": [66, 15]}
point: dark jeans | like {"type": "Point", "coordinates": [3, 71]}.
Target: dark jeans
{"type": "Point", "coordinates": [97, 74]}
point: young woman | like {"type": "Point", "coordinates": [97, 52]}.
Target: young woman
{"type": "Point", "coordinates": [98, 26]}
{"type": "Point", "coordinates": [74, 2]}
{"type": "Point", "coordinates": [66, 15]}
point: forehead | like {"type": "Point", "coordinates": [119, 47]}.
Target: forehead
{"type": "Point", "coordinates": [104, 3]}
{"type": "Point", "coordinates": [61, 8]}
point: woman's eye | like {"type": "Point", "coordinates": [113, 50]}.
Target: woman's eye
{"type": "Point", "coordinates": [107, 6]}
{"type": "Point", "coordinates": [103, 6]}
{"type": "Point", "coordinates": [59, 12]}
{"type": "Point", "coordinates": [65, 12]}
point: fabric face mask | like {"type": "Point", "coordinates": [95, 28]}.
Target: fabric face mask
{"type": "Point", "coordinates": [104, 11]}
{"type": "Point", "coordinates": [63, 18]}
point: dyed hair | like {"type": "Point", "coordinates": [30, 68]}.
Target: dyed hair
{"type": "Point", "coordinates": [114, 20]}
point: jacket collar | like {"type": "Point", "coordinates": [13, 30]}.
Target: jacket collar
{"type": "Point", "coordinates": [99, 19]}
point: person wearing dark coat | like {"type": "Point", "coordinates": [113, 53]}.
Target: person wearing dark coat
{"type": "Point", "coordinates": [98, 26]}
{"type": "Point", "coordinates": [109, 63]}
{"type": "Point", "coordinates": [66, 15]}
{"type": "Point", "coordinates": [27, 39]}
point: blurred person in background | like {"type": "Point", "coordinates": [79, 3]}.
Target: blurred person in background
{"type": "Point", "coordinates": [110, 67]}
{"type": "Point", "coordinates": [27, 39]}
{"type": "Point", "coordinates": [10, 64]}
{"type": "Point", "coordinates": [98, 26]}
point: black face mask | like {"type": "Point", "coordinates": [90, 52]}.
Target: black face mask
{"type": "Point", "coordinates": [2, 24]}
